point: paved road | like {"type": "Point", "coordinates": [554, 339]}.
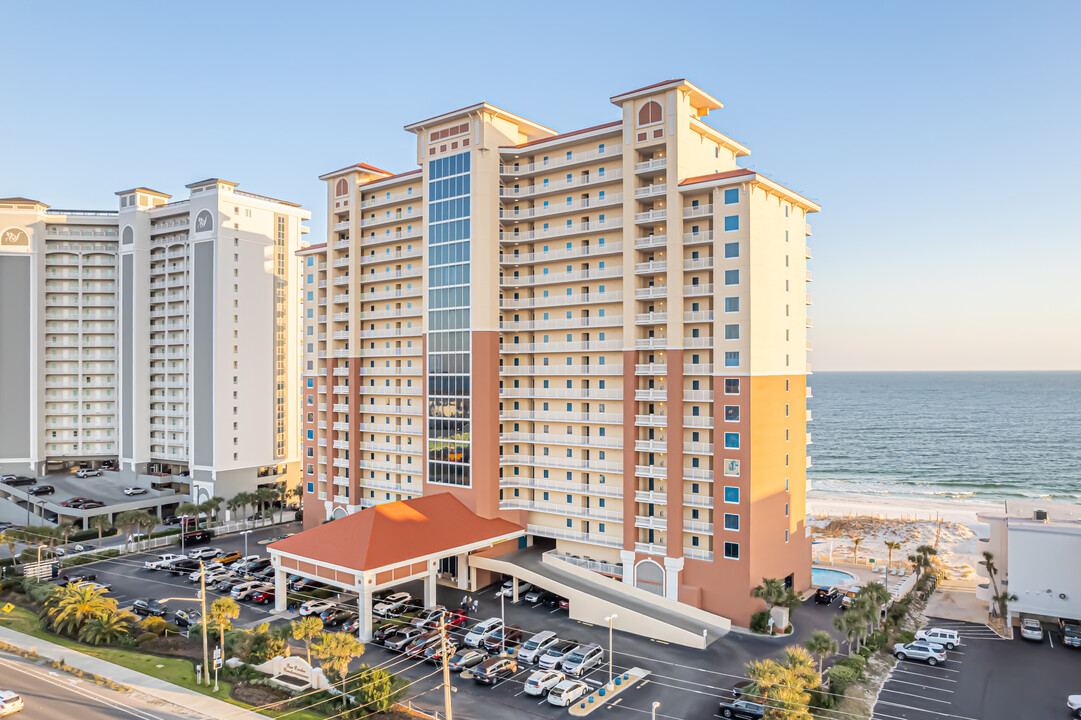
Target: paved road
{"type": "Point", "coordinates": [49, 695]}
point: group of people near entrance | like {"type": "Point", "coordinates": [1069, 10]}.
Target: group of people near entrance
{"type": "Point", "coordinates": [469, 604]}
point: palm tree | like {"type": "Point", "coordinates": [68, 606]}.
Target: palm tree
{"type": "Point", "coordinates": [265, 497]}
{"type": "Point", "coordinates": [771, 590]}
{"type": "Point", "coordinates": [821, 645]}
{"type": "Point", "coordinates": [212, 507]}
{"type": "Point", "coordinates": [297, 493]}
{"type": "Point", "coordinates": [129, 520]}
{"type": "Point", "coordinates": [337, 649]}
{"type": "Point", "coordinates": [106, 628]}
{"type": "Point", "coordinates": [101, 523]}
{"type": "Point", "coordinates": [244, 499]}
{"type": "Point", "coordinates": [856, 548]}
{"type": "Point", "coordinates": [222, 613]}
{"type": "Point", "coordinates": [68, 608]}
{"type": "Point", "coordinates": [850, 626]}
{"type": "Point", "coordinates": [281, 494]}
{"type": "Point", "coordinates": [784, 685]}
{"type": "Point", "coordinates": [307, 629]}
{"type": "Point", "coordinates": [992, 569]}
{"type": "Point", "coordinates": [145, 522]}
{"type": "Point", "coordinates": [64, 529]}
{"type": "Point", "coordinates": [1003, 601]}
{"type": "Point", "coordinates": [186, 510]}
{"type": "Point", "coordinates": [922, 559]}
{"type": "Point", "coordinates": [891, 545]}
{"type": "Point", "coordinates": [9, 537]}
{"type": "Point", "coordinates": [234, 504]}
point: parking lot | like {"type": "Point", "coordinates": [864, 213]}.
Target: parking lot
{"type": "Point", "coordinates": [986, 677]}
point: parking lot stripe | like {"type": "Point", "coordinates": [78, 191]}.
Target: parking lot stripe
{"type": "Point", "coordinates": [922, 685]}
{"type": "Point", "coordinates": [925, 710]}
{"type": "Point", "coordinates": [921, 697]}
{"type": "Point", "coordinates": [908, 672]}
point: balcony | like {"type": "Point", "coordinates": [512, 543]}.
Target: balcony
{"type": "Point", "coordinates": [598, 178]}
{"type": "Point", "coordinates": [552, 347]}
{"type": "Point", "coordinates": [651, 166]}
{"type": "Point", "coordinates": [651, 446]}
{"type": "Point", "coordinates": [697, 316]}
{"type": "Point", "coordinates": [583, 156]}
{"type": "Point", "coordinates": [698, 396]}
{"type": "Point", "coordinates": [650, 549]}
{"type": "Point", "coordinates": [611, 248]}
{"type": "Point", "coordinates": [561, 300]}
{"type": "Point", "coordinates": [651, 343]}
{"type": "Point", "coordinates": [698, 501]}
{"type": "Point", "coordinates": [651, 522]}
{"type": "Point", "coordinates": [651, 318]}
{"type": "Point", "coordinates": [407, 254]}
{"type": "Point", "coordinates": [649, 191]}
{"type": "Point", "coordinates": [389, 198]}
{"type": "Point", "coordinates": [703, 263]}
{"type": "Point", "coordinates": [562, 417]}
{"type": "Point", "coordinates": [586, 441]}
{"type": "Point", "coordinates": [341, 226]}
{"type": "Point", "coordinates": [564, 463]}
{"type": "Point", "coordinates": [561, 323]}
{"type": "Point", "coordinates": [650, 216]}
{"type": "Point", "coordinates": [606, 370]}
{"type": "Point", "coordinates": [697, 448]}
{"type": "Point", "coordinates": [698, 554]}
{"type": "Point", "coordinates": [695, 238]}
{"type": "Point", "coordinates": [698, 290]}
{"type": "Point", "coordinates": [697, 421]}
{"type": "Point", "coordinates": [561, 509]}
{"type": "Point", "coordinates": [575, 536]}
{"type": "Point", "coordinates": [562, 393]}
{"type": "Point", "coordinates": [551, 209]}
{"type": "Point", "coordinates": [651, 369]}
{"type": "Point", "coordinates": [651, 395]}
{"type": "Point", "coordinates": [649, 242]}
{"type": "Point", "coordinates": [391, 217]}
{"type": "Point", "coordinates": [595, 226]}
{"type": "Point", "coordinates": [651, 268]}
{"type": "Point", "coordinates": [697, 211]}
{"type": "Point", "coordinates": [699, 369]}
{"type": "Point", "coordinates": [659, 472]}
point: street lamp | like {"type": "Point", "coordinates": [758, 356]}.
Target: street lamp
{"type": "Point", "coordinates": [611, 657]}
{"type": "Point", "coordinates": [653, 710]}
{"type": "Point", "coordinates": [246, 533]}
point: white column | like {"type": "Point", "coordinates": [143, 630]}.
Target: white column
{"type": "Point", "coordinates": [364, 610]}
{"type": "Point", "coordinates": [627, 557]}
{"type": "Point", "coordinates": [463, 571]}
{"type": "Point", "coordinates": [672, 568]}
{"type": "Point", "coordinates": [430, 584]}
{"type": "Point", "coordinates": [280, 590]}
{"type": "Point", "coordinates": [514, 589]}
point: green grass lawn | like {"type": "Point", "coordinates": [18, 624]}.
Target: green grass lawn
{"type": "Point", "coordinates": [173, 670]}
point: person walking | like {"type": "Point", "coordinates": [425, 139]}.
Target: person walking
{"type": "Point", "coordinates": [476, 604]}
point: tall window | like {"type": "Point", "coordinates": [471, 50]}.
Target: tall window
{"type": "Point", "coordinates": [649, 113]}
{"type": "Point", "coordinates": [341, 188]}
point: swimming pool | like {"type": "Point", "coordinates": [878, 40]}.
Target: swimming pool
{"type": "Point", "coordinates": [829, 576]}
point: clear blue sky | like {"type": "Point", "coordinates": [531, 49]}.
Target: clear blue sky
{"type": "Point", "coordinates": [942, 139]}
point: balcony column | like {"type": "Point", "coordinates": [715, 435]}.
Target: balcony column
{"type": "Point", "coordinates": [672, 568]}
{"type": "Point", "coordinates": [627, 557]}
{"type": "Point", "coordinates": [280, 590]}
{"type": "Point", "coordinates": [364, 614]}
{"type": "Point", "coordinates": [463, 571]}
{"type": "Point", "coordinates": [430, 584]}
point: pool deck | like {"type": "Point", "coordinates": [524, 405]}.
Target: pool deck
{"type": "Point", "coordinates": [862, 573]}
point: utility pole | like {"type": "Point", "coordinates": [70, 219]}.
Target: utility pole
{"type": "Point", "coordinates": [202, 597]}
{"type": "Point", "coordinates": [446, 666]}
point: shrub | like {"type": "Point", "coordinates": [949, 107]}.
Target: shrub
{"type": "Point", "coordinates": [127, 642]}
{"type": "Point", "coordinates": [11, 583]}
{"type": "Point", "coordinates": [856, 662]}
{"type": "Point", "coordinates": [876, 640]}
{"type": "Point", "coordinates": [905, 636]}
{"type": "Point", "coordinates": [324, 593]}
{"type": "Point", "coordinates": [154, 625]}
{"type": "Point", "coordinates": [865, 651]}
{"type": "Point", "coordinates": [91, 535]}
{"type": "Point", "coordinates": [760, 622]}
{"type": "Point", "coordinates": [146, 637]}
{"type": "Point", "coordinates": [841, 677]}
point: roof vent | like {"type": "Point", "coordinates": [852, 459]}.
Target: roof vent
{"type": "Point", "coordinates": [1040, 515]}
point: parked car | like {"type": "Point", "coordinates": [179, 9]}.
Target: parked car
{"type": "Point", "coordinates": [163, 561]}
{"type": "Point", "coordinates": [214, 575]}
{"type": "Point", "coordinates": [849, 596]}
{"type": "Point", "coordinates": [466, 658]}
{"type": "Point", "coordinates": [183, 566]}
{"type": "Point", "coordinates": [920, 650]}
{"type": "Point", "coordinates": [429, 617]}
{"type": "Point", "coordinates": [89, 505]}
{"type": "Point", "coordinates": [540, 682]}
{"type": "Point", "coordinates": [72, 502]}
{"type": "Point", "coordinates": [83, 547]}
{"type": "Point", "coordinates": [314, 607]}
{"type": "Point", "coordinates": [742, 709]}
{"type": "Point", "coordinates": [381, 633]}
{"type": "Point", "coordinates": [534, 595]}
{"type": "Point", "coordinates": [338, 606]}
{"type": "Point", "coordinates": [1073, 702]}
{"type": "Point", "coordinates": [227, 558]}
{"type": "Point", "coordinates": [826, 595]}
{"type": "Point", "coordinates": [66, 579]}
{"type": "Point", "coordinates": [205, 553]}
{"type": "Point", "coordinates": [1071, 632]}
{"type": "Point", "coordinates": [564, 604]}
{"type": "Point", "coordinates": [264, 597]}
{"type": "Point", "coordinates": [199, 536]}
{"type": "Point", "coordinates": [536, 646]}
{"type": "Point", "coordinates": [19, 480]}
{"type": "Point", "coordinates": [546, 597]}
{"type": "Point", "coordinates": [130, 491]}
{"type": "Point", "coordinates": [103, 587]}
{"type": "Point", "coordinates": [553, 656]}
{"type": "Point", "coordinates": [340, 617]}
{"type": "Point", "coordinates": [41, 490]}
{"type": "Point", "coordinates": [150, 608]}
{"type": "Point", "coordinates": [393, 605]}
{"type": "Point", "coordinates": [307, 585]}
{"type": "Point", "coordinates": [266, 573]}
{"type": "Point", "coordinates": [243, 563]}
{"type": "Point", "coordinates": [187, 617]}
{"type": "Point", "coordinates": [503, 639]}
{"type": "Point", "coordinates": [582, 659]}
{"type": "Point", "coordinates": [171, 520]}
{"type": "Point", "coordinates": [567, 692]}
{"type": "Point", "coordinates": [948, 639]}
{"type": "Point", "coordinates": [495, 669]}
{"type": "Point", "coordinates": [258, 566]}
{"type": "Point", "coordinates": [421, 643]}
{"type": "Point", "coordinates": [482, 631]}
{"type": "Point", "coordinates": [403, 637]}
{"type": "Point", "coordinates": [434, 653]}
{"type": "Point", "coordinates": [226, 585]}
{"type": "Point", "coordinates": [258, 587]}
{"type": "Point", "coordinates": [352, 624]}
{"type": "Point", "coordinates": [87, 472]}
{"type": "Point", "coordinates": [10, 703]}
{"type": "Point", "coordinates": [1031, 629]}
{"type": "Point", "coordinates": [508, 588]}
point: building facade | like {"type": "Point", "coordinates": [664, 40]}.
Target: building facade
{"type": "Point", "coordinates": [159, 338]}
{"type": "Point", "coordinates": [600, 335]}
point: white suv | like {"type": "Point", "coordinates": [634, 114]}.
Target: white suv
{"type": "Point", "coordinates": [582, 659]}
{"type": "Point", "coordinates": [482, 631]}
{"type": "Point", "coordinates": [949, 639]}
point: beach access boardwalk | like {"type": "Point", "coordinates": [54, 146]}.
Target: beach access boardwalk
{"type": "Point", "coordinates": [174, 694]}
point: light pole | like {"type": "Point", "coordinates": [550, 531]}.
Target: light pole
{"type": "Point", "coordinates": [502, 619]}
{"type": "Point", "coordinates": [183, 518]}
{"type": "Point", "coordinates": [246, 533]}
{"type": "Point", "coordinates": [611, 658]}
{"type": "Point", "coordinates": [653, 710]}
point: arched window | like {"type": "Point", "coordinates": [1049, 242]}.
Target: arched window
{"type": "Point", "coordinates": [650, 113]}
{"type": "Point", "coordinates": [342, 188]}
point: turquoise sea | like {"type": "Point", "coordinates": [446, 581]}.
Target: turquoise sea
{"type": "Point", "coordinates": [973, 436]}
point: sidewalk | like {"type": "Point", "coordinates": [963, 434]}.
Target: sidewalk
{"type": "Point", "coordinates": [174, 694]}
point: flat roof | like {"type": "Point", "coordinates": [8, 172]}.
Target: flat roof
{"type": "Point", "coordinates": [395, 533]}
{"type": "Point", "coordinates": [143, 190]}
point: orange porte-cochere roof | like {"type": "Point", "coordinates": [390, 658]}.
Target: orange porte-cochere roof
{"type": "Point", "coordinates": [395, 532]}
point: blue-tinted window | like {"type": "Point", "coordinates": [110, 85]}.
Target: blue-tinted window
{"type": "Point", "coordinates": [731, 332]}
{"type": "Point", "coordinates": [731, 494]}
{"type": "Point", "coordinates": [731, 250]}
{"type": "Point", "coordinates": [311, 261]}
{"type": "Point", "coordinates": [731, 304]}
{"type": "Point", "coordinates": [311, 487]}
{"type": "Point", "coordinates": [731, 550]}
{"type": "Point", "coordinates": [731, 521]}
{"type": "Point", "coordinates": [731, 441]}
{"type": "Point", "coordinates": [731, 196]}
{"type": "Point", "coordinates": [731, 277]}
{"type": "Point", "coordinates": [731, 358]}
{"type": "Point", "coordinates": [731, 222]}
{"type": "Point", "coordinates": [311, 434]}
{"type": "Point", "coordinates": [311, 382]}
{"type": "Point", "coordinates": [311, 278]}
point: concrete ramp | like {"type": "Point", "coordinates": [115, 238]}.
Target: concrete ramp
{"type": "Point", "coordinates": [593, 597]}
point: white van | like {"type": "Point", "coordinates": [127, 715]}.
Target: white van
{"type": "Point", "coordinates": [536, 646]}
{"type": "Point", "coordinates": [10, 703]}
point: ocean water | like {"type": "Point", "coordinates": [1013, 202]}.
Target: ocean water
{"type": "Point", "coordinates": [970, 436]}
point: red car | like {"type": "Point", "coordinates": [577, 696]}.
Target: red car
{"type": "Point", "coordinates": [564, 604]}
{"type": "Point", "coordinates": [454, 620]}
{"type": "Point", "coordinates": [72, 502]}
{"type": "Point", "coordinates": [265, 597]}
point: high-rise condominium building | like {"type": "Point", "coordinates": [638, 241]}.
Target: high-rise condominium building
{"type": "Point", "coordinates": [159, 338]}
{"type": "Point", "coordinates": [599, 334]}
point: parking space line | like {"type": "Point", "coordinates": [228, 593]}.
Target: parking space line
{"type": "Point", "coordinates": [925, 710]}
{"type": "Point", "coordinates": [936, 667]}
{"type": "Point", "coordinates": [922, 685]}
{"type": "Point", "coordinates": [921, 697]}
{"type": "Point", "coordinates": [907, 672]}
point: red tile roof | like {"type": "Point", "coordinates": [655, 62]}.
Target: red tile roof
{"type": "Point", "coordinates": [649, 87]}
{"type": "Point", "coordinates": [717, 176]}
{"type": "Point", "coordinates": [566, 134]}
{"type": "Point", "coordinates": [358, 166]}
{"type": "Point", "coordinates": [394, 533]}
{"type": "Point", "coordinates": [320, 246]}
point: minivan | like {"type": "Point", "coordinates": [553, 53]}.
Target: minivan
{"type": "Point", "coordinates": [582, 659]}
{"type": "Point", "coordinates": [536, 646]}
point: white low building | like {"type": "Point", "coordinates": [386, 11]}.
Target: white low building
{"type": "Point", "coordinates": [1035, 548]}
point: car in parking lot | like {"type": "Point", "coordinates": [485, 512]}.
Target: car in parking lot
{"type": "Point", "coordinates": [553, 656]}
{"type": "Point", "coordinates": [226, 585]}
{"type": "Point", "coordinates": [162, 561]}
{"type": "Point", "coordinates": [434, 653]}
{"type": "Point", "coordinates": [148, 607]}
{"type": "Point", "coordinates": [1073, 702]}
{"type": "Point", "coordinates": [948, 639]}
{"type": "Point", "coordinates": [352, 624]}
{"type": "Point", "coordinates": [826, 595]}
{"type": "Point", "coordinates": [131, 491]}
{"type": "Point", "coordinates": [228, 558]}
{"type": "Point", "coordinates": [541, 681]}
{"type": "Point", "coordinates": [403, 637]}
{"type": "Point", "coordinates": [849, 596]}
{"type": "Point", "coordinates": [495, 669]}
{"type": "Point", "coordinates": [307, 585]}
{"type": "Point", "coordinates": [87, 472]}
{"type": "Point", "coordinates": [503, 639]}
{"type": "Point", "coordinates": [199, 536]}
{"type": "Point", "coordinates": [339, 617]}
{"type": "Point", "coordinates": [1070, 631]}
{"type": "Point", "coordinates": [10, 702]}
{"type": "Point", "coordinates": [567, 692]}
{"type": "Point", "coordinates": [72, 502]}
{"type": "Point", "coordinates": [41, 490]}
{"type": "Point", "coordinates": [66, 579]}
{"type": "Point", "coordinates": [582, 659]}
{"type": "Point", "coordinates": [187, 617]}
{"type": "Point", "coordinates": [421, 643]}
{"type": "Point", "coordinates": [536, 645]}
{"type": "Point", "coordinates": [245, 591]}
{"type": "Point", "coordinates": [1031, 629]}
{"type": "Point", "coordinates": [244, 563]}
{"type": "Point", "coordinates": [920, 650]}
{"type": "Point", "coordinates": [429, 616]}
{"type": "Point", "coordinates": [393, 606]}
{"type": "Point", "coordinates": [482, 631]}
{"type": "Point", "coordinates": [384, 631]}
{"type": "Point", "coordinates": [183, 566]}
{"type": "Point", "coordinates": [534, 595]}
{"type": "Point", "coordinates": [205, 553]}
{"type": "Point", "coordinates": [508, 588]}
{"type": "Point", "coordinates": [743, 709]}
{"type": "Point", "coordinates": [314, 607]}
{"type": "Point", "coordinates": [89, 505]}
{"type": "Point", "coordinates": [18, 480]}
{"type": "Point", "coordinates": [214, 575]}
{"type": "Point", "coordinates": [263, 597]}
{"type": "Point", "coordinates": [466, 658]}
{"type": "Point", "coordinates": [101, 587]}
